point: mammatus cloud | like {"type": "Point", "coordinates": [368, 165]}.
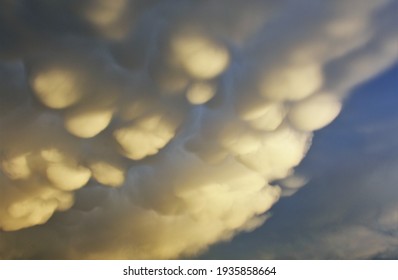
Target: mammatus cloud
{"type": "Point", "coordinates": [153, 129]}
{"type": "Point", "coordinates": [348, 209]}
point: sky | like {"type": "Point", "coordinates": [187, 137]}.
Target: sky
{"type": "Point", "coordinates": [186, 129]}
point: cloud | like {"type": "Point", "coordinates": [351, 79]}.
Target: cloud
{"type": "Point", "coordinates": [152, 129]}
{"type": "Point", "coordinates": [347, 209]}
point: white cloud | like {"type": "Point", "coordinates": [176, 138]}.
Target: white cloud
{"type": "Point", "coordinates": [190, 111]}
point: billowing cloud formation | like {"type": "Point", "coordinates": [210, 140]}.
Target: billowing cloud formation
{"type": "Point", "coordinates": [348, 208]}
{"type": "Point", "coordinates": [152, 129]}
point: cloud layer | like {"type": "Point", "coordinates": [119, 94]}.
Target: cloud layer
{"type": "Point", "coordinates": [153, 129]}
{"type": "Point", "coordinates": [347, 209]}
